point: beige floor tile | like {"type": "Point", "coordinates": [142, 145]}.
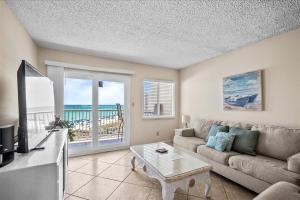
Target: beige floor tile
{"type": "Point", "coordinates": [156, 195]}
{"type": "Point", "coordinates": [97, 189]}
{"type": "Point", "coordinates": [236, 192]}
{"type": "Point", "coordinates": [216, 178]}
{"type": "Point", "coordinates": [198, 198]}
{"type": "Point", "coordinates": [124, 151]}
{"type": "Point", "coordinates": [96, 155]}
{"type": "Point", "coordinates": [87, 157]}
{"type": "Point", "coordinates": [116, 172]}
{"type": "Point", "coordinates": [74, 198]}
{"type": "Point", "coordinates": [125, 160]}
{"type": "Point", "coordinates": [75, 181]}
{"type": "Point", "coordinates": [217, 191]}
{"type": "Point", "coordinates": [128, 191]}
{"type": "Point", "coordinates": [156, 184]}
{"type": "Point", "coordinates": [181, 191]}
{"type": "Point", "coordinates": [113, 166]}
{"type": "Point", "coordinates": [94, 167]}
{"type": "Point", "coordinates": [179, 196]}
{"type": "Point", "coordinates": [76, 163]}
{"type": "Point", "coordinates": [138, 177]}
{"type": "Point", "coordinates": [66, 196]}
{"type": "Point", "coordinates": [110, 157]}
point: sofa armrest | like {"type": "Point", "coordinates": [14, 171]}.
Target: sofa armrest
{"type": "Point", "coordinates": [185, 132]}
{"type": "Point", "coordinates": [294, 163]}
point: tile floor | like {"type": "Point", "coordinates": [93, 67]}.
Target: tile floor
{"type": "Point", "coordinates": [109, 176]}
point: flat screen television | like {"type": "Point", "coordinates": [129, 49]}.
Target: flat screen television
{"type": "Point", "coordinates": [36, 107]}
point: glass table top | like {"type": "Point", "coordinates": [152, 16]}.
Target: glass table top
{"type": "Point", "coordinates": [171, 164]}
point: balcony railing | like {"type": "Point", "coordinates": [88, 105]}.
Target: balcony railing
{"type": "Point", "coordinates": [38, 121]}
{"type": "Point", "coordinates": [109, 124]}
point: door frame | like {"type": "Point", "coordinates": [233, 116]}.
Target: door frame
{"type": "Point", "coordinates": [96, 77]}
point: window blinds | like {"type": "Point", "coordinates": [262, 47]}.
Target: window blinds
{"type": "Point", "coordinates": [158, 98]}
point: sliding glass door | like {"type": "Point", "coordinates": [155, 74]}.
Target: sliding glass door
{"type": "Point", "coordinates": [96, 106]}
{"type": "Point", "coordinates": [111, 111]}
{"type": "Point", "coordinates": [78, 108]}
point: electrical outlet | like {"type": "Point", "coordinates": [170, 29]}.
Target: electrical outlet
{"type": "Point", "coordinates": [157, 133]}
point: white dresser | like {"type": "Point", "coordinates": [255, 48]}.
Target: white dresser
{"type": "Point", "coordinates": [37, 175]}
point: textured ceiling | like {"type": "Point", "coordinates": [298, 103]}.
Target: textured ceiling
{"type": "Point", "coordinates": [163, 33]}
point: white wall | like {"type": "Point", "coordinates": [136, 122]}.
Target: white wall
{"type": "Point", "coordinates": [15, 45]}
{"type": "Point", "coordinates": [142, 130]}
{"type": "Point", "coordinates": [279, 57]}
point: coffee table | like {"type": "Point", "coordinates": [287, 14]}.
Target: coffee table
{"type": "Point", "coordinates": [174, 169]}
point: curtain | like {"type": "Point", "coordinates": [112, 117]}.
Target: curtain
{"type": "Point", "coordinates": [56, 74]}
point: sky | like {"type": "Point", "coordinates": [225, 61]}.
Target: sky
{"type": "Point", "coordinates": [79, 92]}
{"type": "Point", "coordinates": [242, 80]}
{"type": "Point", "coordinates": [243, 84]}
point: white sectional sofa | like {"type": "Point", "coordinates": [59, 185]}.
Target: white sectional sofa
{"type": "Point", "coordinates": [280, 191]}
{"type": "Point", "coordinates": [277, 159]}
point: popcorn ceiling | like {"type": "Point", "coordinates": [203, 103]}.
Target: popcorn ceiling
{"type": "Point", "coordinates": [172, 34]}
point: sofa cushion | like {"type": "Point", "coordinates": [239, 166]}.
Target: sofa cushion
{"type": "Point", "coordinates": [217, 156]}
{"type": "Point", "coordinates": [245, 140]}
{"type": "Point", "coordinates": [185, 132]}
{"type": "Point", "coordinates": [189, 143]}
{"type": "Point", "coordinates": [215, 128]}
{"type": "Point", "coordinates": [202, 127]}
{"type": "Point", "coordinates": [277, 142]}
{"type": "Point", "coordinates": [264, 168]}
{"type": "Point", "coordinates": [294, 163]}
{"type": "Point", "coordinates": [280, 191]}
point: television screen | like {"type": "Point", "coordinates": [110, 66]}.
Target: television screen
{"type": "Point", "coordinates": [36, 107]}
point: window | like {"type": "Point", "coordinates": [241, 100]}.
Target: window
{"type": "Point", "coordinates": [159, 99]}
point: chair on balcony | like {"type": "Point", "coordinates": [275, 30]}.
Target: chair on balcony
{"type": "Point", "coordinates": [156, 109]}
{"type": "Point", "coordinates": [120, 121]}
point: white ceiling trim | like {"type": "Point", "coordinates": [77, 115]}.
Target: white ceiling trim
{"type": "Point", "coordinates": [88, 68]}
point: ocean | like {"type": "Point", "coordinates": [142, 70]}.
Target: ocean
{"type": "Point", "coordinates": [81, 113]}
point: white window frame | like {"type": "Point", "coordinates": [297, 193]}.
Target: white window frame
{"type": "Point", "coordinates": [173, 116]}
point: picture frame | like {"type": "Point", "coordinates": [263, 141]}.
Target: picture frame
{"type": "Point", "coordinates": [243, 92]}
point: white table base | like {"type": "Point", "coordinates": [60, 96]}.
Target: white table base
{"type": "Point", "coordinates": [169, 188]}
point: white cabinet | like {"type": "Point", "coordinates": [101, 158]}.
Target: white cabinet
{"type": "Point", "coordinates": [37, 175]}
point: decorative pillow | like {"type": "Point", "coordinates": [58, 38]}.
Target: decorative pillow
{"type": "Point", "coordinates": [215, 128]}
{"type": "Point", "coordinates": [245, 140]}
{"type": "Point", "coordinates": [211, 142]}
{"type": "Point", "coordinates": [202, 127]}
{"type": "Point", "coordinates": [227, 136]}
{"type": "Point", "coordinates": [221, 143]}
{"type": "Point", "coordinates": [237, 124]}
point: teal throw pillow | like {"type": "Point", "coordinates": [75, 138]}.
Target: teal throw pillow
{"type": "Point", "coordinates": [221, 143]}
{"type": "Point", "coordinates": [227, 136]}
{"type": "Point", "coordinates": [218, 143]}
{"type": "Point", "coordinates": [211, 142]}
{"type": "Point", "coordinates": [245, 140]}
{"type": "Point", "coordinates": [215, 128]}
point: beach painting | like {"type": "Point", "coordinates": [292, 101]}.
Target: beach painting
{"type": "Point", "coordinates": [243, 92]}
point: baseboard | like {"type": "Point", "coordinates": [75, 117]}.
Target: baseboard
{"type": "Point", "coordinates": [94, 151]}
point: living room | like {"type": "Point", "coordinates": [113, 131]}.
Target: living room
{"type": "Point", "coordinates": [181, 73]}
